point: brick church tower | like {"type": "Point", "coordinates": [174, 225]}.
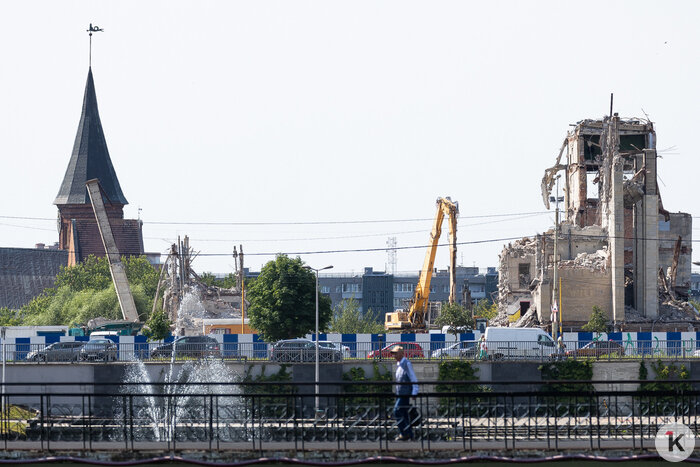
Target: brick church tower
{"type": "Point", "coordinates": [78, 232]}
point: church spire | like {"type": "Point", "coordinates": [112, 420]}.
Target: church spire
{"type": "Point", "coordinates": [90, 158]}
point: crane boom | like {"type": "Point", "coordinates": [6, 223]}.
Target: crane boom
{"type": "Point", "coordinates": [414, 318]}
{"type": "Point", "coordinates": [116, 268]}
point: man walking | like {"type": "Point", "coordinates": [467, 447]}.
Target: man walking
{"type": "Point", "coordinates": [405, 375]}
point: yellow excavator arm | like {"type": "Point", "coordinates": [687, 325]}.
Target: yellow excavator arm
{"type": "Point", "coordinates": [414, 318]}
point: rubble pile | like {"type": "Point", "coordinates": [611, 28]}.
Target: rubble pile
{"type": "Point", "coordinates": [675, 310]}
{"type": "Point", "coordinates": [220, 303]}
{"type": "Point", "coordinates": [669, 311]}
{"type": "Point", "coordinates": [501, 319]}
{"type": "Point", "coordinates": [206, 302]}
{"type": "Point", "coordinates": [528, 320]}
{"type": "Point", "coordinates": [594, 261]}
{"type": "Point", "coordinates": [523, 247]}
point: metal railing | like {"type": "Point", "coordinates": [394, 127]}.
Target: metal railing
{"type": "Point", "coordinates": [355, 351]}
{"type": "Point", "coordinates": [257, 416]}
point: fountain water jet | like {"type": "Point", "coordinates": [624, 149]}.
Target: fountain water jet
{"type": "Point", "coordinates": [182, 401]}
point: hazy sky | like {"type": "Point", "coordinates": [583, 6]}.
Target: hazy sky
{"type": "Point", "coordinates": [278, 112]}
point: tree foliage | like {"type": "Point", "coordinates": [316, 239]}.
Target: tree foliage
{"type": "Point", "coordinates": [226, 282]}
{"type": "Point", "coordinates": [366, 385]}
{"type": "Point", "coordinates": [456, 317]}
{"type": "Point", "coordinates": [282, 303]}
{"type": "Point", "coordinates": [598, 321]}
{"type": "Point", "coordinates": [157, 327]}
{"type": "Point", "coordinates": [485, 309]}
{"type": "Point", "coordinates": [85, 291]}
{"type": "Point", "coordinates": [348, 319]}
{"type": "Point", "coordinates": [9, 317]}
{"type": "Point", "coordinates": [573, 370]}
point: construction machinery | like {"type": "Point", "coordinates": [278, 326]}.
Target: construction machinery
{"type": "Point", "coordinates": [413, 318]}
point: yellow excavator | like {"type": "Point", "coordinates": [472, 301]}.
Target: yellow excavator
{"type": "Point", "coordinates": [414, 318]}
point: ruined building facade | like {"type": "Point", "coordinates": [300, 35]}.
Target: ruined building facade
{"type": "Point", "coordinates": [617, 247]}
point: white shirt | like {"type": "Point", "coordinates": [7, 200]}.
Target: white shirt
{"type": "Point", "coordinates": [404, 366]}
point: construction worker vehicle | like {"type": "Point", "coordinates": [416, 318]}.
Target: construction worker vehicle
{"type": "Point", "coordinates": [413, 318]}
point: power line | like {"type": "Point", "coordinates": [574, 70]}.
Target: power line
{"type": "Point", "coordinates": [423, 246]}
{"type": "Point", "coordinates": [366, 221]}
{"type": "Point", "coordinates": [27, 227]}
{"type": "Point", "coordinates": [341, 237]}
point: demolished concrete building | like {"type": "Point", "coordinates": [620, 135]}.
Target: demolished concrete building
{"type": "Point", "coordinates": [188, 301]}
{"type": "Point", "coordinates": [617, 247]}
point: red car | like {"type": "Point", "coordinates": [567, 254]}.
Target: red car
{"type": "Point", "coordinates": [411, 350]}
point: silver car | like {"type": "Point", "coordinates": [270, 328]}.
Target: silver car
{"type": "Point", "coordinates": [465, 349]}
{"type": "Point", "coordinates": [344, 349]}
{"type": "Point", "coordinates": [57, 352]}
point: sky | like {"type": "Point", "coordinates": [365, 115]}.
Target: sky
{"type": "Point", "coordinates": [322, 128]}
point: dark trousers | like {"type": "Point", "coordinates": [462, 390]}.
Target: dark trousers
{"type": "Point", "coordinates": [403, 403]}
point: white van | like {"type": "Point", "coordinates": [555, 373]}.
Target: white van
{"type": "Point", "coordinates": [518, 343]}
{"type": "Point", "coordinates": [97, 334]}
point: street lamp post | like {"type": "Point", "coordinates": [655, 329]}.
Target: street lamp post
{"type": "Point", "coordinates": [3, 333]}
{"type": "Point", "coordinates": [317, 372]}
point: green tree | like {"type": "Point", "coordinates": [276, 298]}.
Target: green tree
{"type": "Point", "coordinates": [93, 273]}
{"type": "Point", "coordinates": [282, 303]}
{"type": "Point", "coordinates": [9, 317]}
{"type": "Point", "coordinates": [208, 279]}
{"type": "Point", "coordinates": [348, 319]}
{"type": "Point", "coordinates": [157, 327]}
{"type": "Point", "coordinates": [485, 309]}
{"type": "Point", "coordinates": [85, 291]}
{"type": "Point", "coordinates": [226, 283]}
{"type": "Point", "coordinates": [598, 321]}
{"type": "Point", "coordinates": [455, 316]}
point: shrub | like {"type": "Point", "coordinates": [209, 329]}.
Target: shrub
{"type": "Point", "coordinates": [669, 378]}
{"type": "Point", "coordinates": [458, 371]}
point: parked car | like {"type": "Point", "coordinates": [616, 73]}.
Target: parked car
{"type": "Point", "coordinates": [303, 350]}
{"type": "Point", "coordinates": [465, 349]}
{"type": "Point", "coordinates": [57, 352]}
{"type": "Point", "coordinates": [598, 349]}
{"type": "Point", "coordinates": [189, 347]}
{"type": "Point", "coordinates": [344, 349]}
{"type": "Point", "coordinates": [99, 349]}
{"type": "Point", "coordinates": [411, 350]}
{"type": "Point", "coordinates": [505, 342]}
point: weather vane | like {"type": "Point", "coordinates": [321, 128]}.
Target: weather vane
{"type": "Point", "coordinates": [90, 30]}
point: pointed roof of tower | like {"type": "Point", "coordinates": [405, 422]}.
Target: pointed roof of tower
{"type": "Point", "coordinates": [90, 158]}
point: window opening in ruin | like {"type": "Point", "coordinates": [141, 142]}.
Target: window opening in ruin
{"type": "Point", "coordinates": [524, 274]}
{"type": "Point", "coordinates": [591, 147]}
{"type": "Point", "coordinates": [632, 143]}
{"type": "Point", "coordinates": [592, 186]}
{"type": "Point", "coordinates": [524, 306]}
